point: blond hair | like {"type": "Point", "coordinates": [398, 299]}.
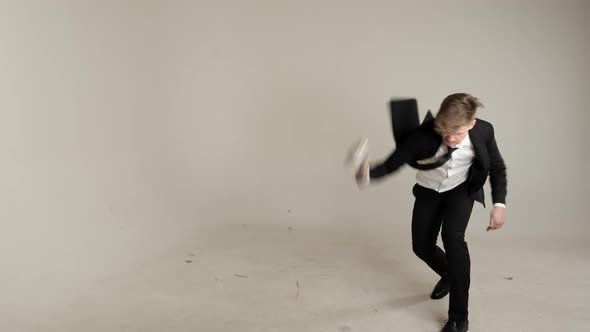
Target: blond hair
{"type": "Point", "coordinates": [456, 111]}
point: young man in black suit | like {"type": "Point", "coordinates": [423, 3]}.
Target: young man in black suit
{"type": "Point", "coordinates": [455, 153]}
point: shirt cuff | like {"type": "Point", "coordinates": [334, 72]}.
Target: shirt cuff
{"type": "Point", "coordinates": [500, 205]}
{"type": "Point", "coordinates": [367, 178]}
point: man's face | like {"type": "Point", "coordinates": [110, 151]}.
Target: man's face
{"type": "Point", "coordinates": [453, 138]}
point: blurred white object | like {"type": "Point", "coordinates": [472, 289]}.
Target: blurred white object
{"type": "Point", "coordinates": [358, 153]}
{"type": "Point", "coordinates": [358, 157]}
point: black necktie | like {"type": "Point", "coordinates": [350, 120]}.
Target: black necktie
{"type": "Point", "coordinates": [439, 162]}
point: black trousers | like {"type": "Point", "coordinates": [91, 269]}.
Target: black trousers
{"type": "Point", "coordinates": [451, 210]}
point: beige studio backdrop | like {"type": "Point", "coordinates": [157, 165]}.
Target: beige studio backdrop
{"type": "Point", "coordinates": [178, 165]}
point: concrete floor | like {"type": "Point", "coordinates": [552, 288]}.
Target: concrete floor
{"type": "Point", "coordinates": [252, 277]}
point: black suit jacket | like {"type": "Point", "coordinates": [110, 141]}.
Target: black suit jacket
{"type": "Point", "coordinates": [423, 143]}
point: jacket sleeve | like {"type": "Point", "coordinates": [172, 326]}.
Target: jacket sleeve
{"type": "Point", "coordinates": [498, 179]}
{"type": "Point", "coordinates": [400, 156]}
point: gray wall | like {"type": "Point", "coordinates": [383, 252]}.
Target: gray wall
{"type": "Point", "coordinates": [127, 125]}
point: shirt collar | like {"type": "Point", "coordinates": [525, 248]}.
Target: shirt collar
{"type": "Point", "coordinates": [465, 142]}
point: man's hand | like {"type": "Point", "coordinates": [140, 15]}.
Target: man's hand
{"type": "Point", "coordinates": [497, 217]}
{"type": "Point", "coordinates": [361, 174]}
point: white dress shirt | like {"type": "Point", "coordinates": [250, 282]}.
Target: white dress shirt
{"type": "Point", "coordinates": [449, 175]}
{"type": "Point", "coordinates": [452, 173]}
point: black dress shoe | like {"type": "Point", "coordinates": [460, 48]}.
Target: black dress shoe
{"type": "Point", "coordinates": [440, 290]}
{"type": "Point", "coordinates": [453, 326]}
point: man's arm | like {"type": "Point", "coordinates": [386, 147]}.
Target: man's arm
{"type": "Point", "coordinates": [498, 183]}
{"type": "Point", "coordinates": [405, 152]}
{"type": "Point", "coordinates": [398, 158]}
{"type": "Point", "coordinates": [498, 180]}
